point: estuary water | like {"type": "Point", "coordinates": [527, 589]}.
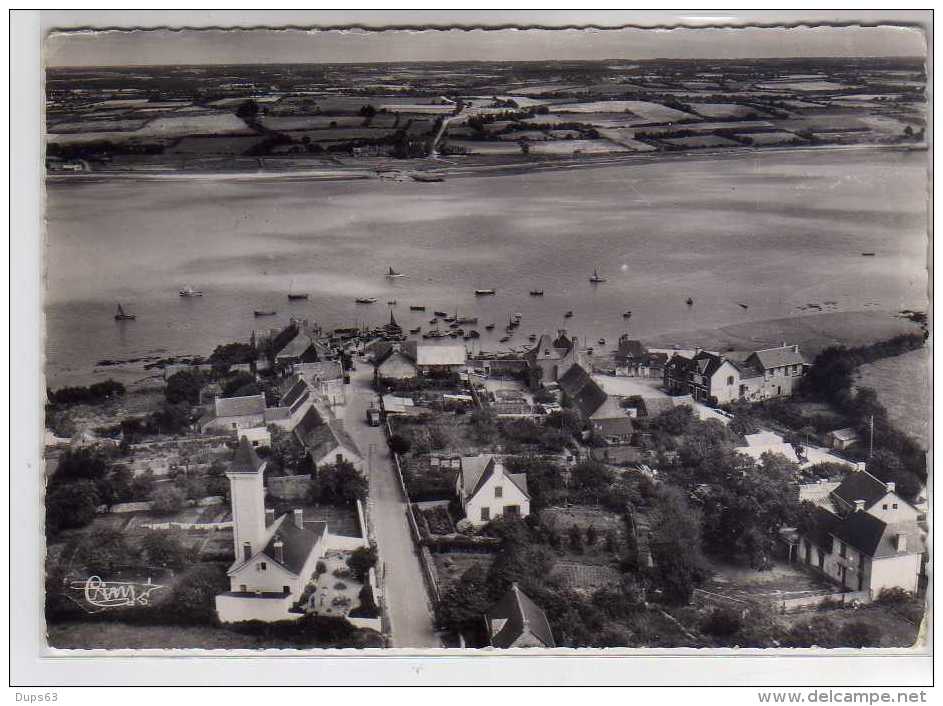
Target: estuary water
{"type": "Point", "coordinates": [748, 238]}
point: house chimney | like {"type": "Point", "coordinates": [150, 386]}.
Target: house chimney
{"type": "Point", "coordinates": [279, 550]}
{"type": "Point", "coordinates": [891, 486]}
{"type": "Point", "coordinates": [783, 345]}
{"type": "Point", "coordinates": [901, 543]}
{"type": "Point", "coordinates": [697, 349]}
{"type": "Point", "coordinates": [299, 518]}
{"type": "Point", "coordinates": [859, 505]}
{"type": "Point", "coordinates": [269, 516]}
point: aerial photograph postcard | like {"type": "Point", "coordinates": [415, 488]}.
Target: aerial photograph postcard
{"type": "Point", "coordinates": [486, 340]}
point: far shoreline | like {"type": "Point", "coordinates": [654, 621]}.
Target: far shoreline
{"type": "Point", "coordinates": [452, 170]}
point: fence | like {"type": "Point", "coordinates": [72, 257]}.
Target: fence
{"type": "Point", "coordinates": [786, 605]}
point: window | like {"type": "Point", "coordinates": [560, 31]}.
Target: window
{"type": "Point", "coordinates": [263, 566]}
{"type": "Point", "coordinates": [498, 491]}
{"type": "Point", "coordinates": [485, 514]}
{"type": "Point", "coordinates": [233, 425]}
{"type": "Point", "coordinates": [340, 457]}
{"type": "Point", "coordinates": [730, 379]}
{"type": "Point", "coordinates": [894, 506]}
{"type": "Point", "coordinates": [843, 550]}
{"type": "Point", "coordinates": [885, 506]}
{"type": "Point", "coordinates": [286, 589]}
{"type": "Point", "coordinates": [243, 588]}
{"type": "Point", "coordinates": [512, 510]}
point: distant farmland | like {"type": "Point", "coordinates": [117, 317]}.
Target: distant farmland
{"type": "Point", "coordinates": [903, 387]}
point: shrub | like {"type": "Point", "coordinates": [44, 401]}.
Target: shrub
{"type": "Point", "coordinates": [894, 596]}
{"type": "Point", "coordinates": [340, 586]}
{"type": "Point", "coordinates": [722, 622]}
{"type": "Point", "coordinates": [361, 560]}
{"type": "Point", "coordinates": [368, 605]}
{"type": "Point", "coordinates": [399, 444]}
{"type": "Point", "coordinates": [167, 499]}
{"type": "Point", "coordinates": [342, 573]}
{"type": "Point", "coordinates": [859, 634]}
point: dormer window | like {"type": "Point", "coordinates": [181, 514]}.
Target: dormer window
{"type": "Point", "coordinates": [730, 379]}
{"type": "Point", "coordinates": [894, 506]}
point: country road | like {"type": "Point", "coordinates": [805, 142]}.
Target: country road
{"type": "Point", "coordinates": [410, 612]}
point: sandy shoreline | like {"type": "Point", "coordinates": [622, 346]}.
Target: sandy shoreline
{"type": "Point", "coordinates": [812, 332]}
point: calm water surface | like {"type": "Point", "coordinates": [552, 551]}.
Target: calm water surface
{"type": "Point", "coordinates": [775, 231]}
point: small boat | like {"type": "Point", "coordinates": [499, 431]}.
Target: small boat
{"type": "Point", "coordinates": [454, 324]}
{"type": "Point", "coordinates": [568, 315]}
{"type": "Point", "coordinates": [426, 177]}
{"type": "Point", "coordinates": [295, 297]}
{"type": "Point", "coordinates": [189, 291]}
{"type": "Point", "coordinates": [489, 327]}
{"type": "Point", "coordinates": [601, 341]}
{"type": "Point", "coordinates": [627, 314]}
{"type": "Point", "coordinates": [122, 315]}
{"type": "Point", "coordinates": [690, 301]}
{"type": "Point", "coordinates": [743, 306]}
{"type": "Point", "coordinates": [449, 319]}
{"type": "Point", "coordinates": [415, 330]}
{"type": "Point", "coordinates": [467, 320]}
{"type": "Point", "coordinates": [417, 307]}
{"type": "Point", "coordinates": [536, 292]}
{"type": "Point", "coordinates": [392, 302]}
{"type": "Point", "coordinates": [867, 254]}
{"type": "Point", "coordinates": [518, 316]}
{"type": "Point", "coordinates": [532, 337]}
{"type": "Point", "coordinates": [366, 300]}
{"type": "Point", "coordinates": [393, 273]}
{"type": "Point", "coordinates": [484, 292]}
{"type": "Point", "coordinates": [258, 312]}
{"type": "Point", "coordinates": [441, 314]}
{"type": "Point", "coordinates": [453, 334]}
{"type": "Point", "coordinates": [596, 279]}
{"type": "Point", "coordinates": [505, 339]}
{"type": "Point", "coordinates": [473, 334]}
{"type": "Point", "coordinates": [433, 321]}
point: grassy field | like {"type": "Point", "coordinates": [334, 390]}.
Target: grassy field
{"type": "Point", "coordinates": [903, 387]}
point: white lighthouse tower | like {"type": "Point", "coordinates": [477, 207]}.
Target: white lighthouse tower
{"type": "Point", "coordinates": [247, 500]}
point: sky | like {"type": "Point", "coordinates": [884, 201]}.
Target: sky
{"type": "Point", "coordinates": [253, 46]}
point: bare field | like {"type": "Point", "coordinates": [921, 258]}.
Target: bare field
{"type": "Point", "coordinates": [903, 387]}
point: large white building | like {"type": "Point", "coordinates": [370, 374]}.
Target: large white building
{"type": "Point", "coordinates": [275, 558]}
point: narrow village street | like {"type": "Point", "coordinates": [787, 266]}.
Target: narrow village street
{"type": "Point", "coordinates": [406, 596]}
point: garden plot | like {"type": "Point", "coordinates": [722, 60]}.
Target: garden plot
{"type": "Point", "coordinates": [782, 581]}
{"type": "Point", "coordinates": [701, 141]}
{"type": "Point", "coordinates": [650, 112]}
{"type": "Point", "coordinates": [450, 567]}
{"type": "Point", "coordinates": [772, 138]}
{"type": "Point", "coordinates": [603, 521]}
{"type": "Point", "coordinates": [576, 146]}
{"type": "Point", "coordinates": [336, 592]}
{"type": "Point", "coordinates": [725, 111]}
{"type": "Point", "coordinates": [587, 578]}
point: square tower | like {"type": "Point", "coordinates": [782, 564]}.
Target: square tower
{"type": "Point", "coordinates": [247, 498]}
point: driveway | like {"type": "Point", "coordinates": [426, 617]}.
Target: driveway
{"type": "Point", "coordinates": [410, 611]}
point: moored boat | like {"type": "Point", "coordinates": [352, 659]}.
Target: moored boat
{"type": "Point", "coordinates": [601, 341]}
{"type": "Point", "coordinates": [417, 307]}
{"type": "Point", "coordinates": [536, 292]}
{"type": "Point", "coordinates": [690, 301]}
{"type": "Point", "coordinates": [441, 314]}
{"type": "Point", "coordinates": [392, 302]}
{"type": "Point", "coordinates": [189, 291]}
{"type": "Point", "coordinates": [393, 273]}
{"type": "Point", "coordinates": [259, 312]}
{"type": "Point", "coordinates": [596, 279]}
{"type": "Point", "coordinates": [122, 315]}
{"type": "Point", "coordinates": [415, 330]}
{"type": "Point", "coordinates": [627, 314]}
{"type": "Point", "coordinates": [489, 327]}
{"type": "Point", "coordinates": [366, 300]}
{"type": "Point", "coordinates": [484, 292]}
{"type": "Point", "coordinates": [568, 315]}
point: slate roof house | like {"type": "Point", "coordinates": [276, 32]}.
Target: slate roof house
{"type": "Point", "coordinates": [487, 490]}
{"type": "Point", "coordinates": [410, 359]}
{"type": "Point", "coordinates": [718, 379]}
{"type": "Point", "coordinates": [326, 441]}
{"type": "Point", "coordinates": [232, 413]}
{"type": "Point", "coordinates": [633, 359]}
{"type": "Point", "coordinates": [516, 621]}
{"type": "Point", "coordinates": [553, 356]}
{"type": "Point", "coordinates": [275, 558]}
{"type": "Point", "coordinates": [842, 438]}
{"type": "Point", "coordinates": [864, 537]}
{"type": "Point", "coordinates": [604, 414]}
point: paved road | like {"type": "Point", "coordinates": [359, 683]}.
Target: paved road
{"type": "Point", "coordinates": [406, 595]}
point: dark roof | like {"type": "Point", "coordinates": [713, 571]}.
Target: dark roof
{"type": "Point", "coordinates": [294, 394]}
{"type": "Point", "coordinates": [519, 614]}
{"type": "Point", "coordinates": [860, 485]}
{"type": "Point", "coordinates": [613, 426]}
{"type": "Point", "coordinates": [877, 539]}
{"type": "Point", "coordinates": [245, 459]}
{"type": "Point", "coordinates": [587, 396]}
{"type": "Point", "coordinates": [296, 348]}
{"type": "Point", "coordinates": [380, 351]}
{"type": "Point", "coordinates": [631, 349]}
{"type": "Point", "coordinates": [297, 543]}
{"type": "Point", "coordinates": [309, 422]}
{"type": "Point", "coordinates": [821, 524]}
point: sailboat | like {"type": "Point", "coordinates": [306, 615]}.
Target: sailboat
{"type": "Point", "coordinates": [596, 279]}
{"type": "Point", "coordinates": [122, 315]}
{"type": "Point", "coordinates": [189, 291]}
{"type": "Point", "coordinates": [292, 296]}
{"type": "Point", "coordinates": [393, 273]}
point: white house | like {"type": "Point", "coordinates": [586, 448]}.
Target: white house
{"type": "Point", "coordinates": [486, 490]}
{"type": "Point", "coordinates": [865, 537]}
{"type": "Point", "coordinates": [275, 558]}
{"type": "Point", "coordinates": [842, 438]}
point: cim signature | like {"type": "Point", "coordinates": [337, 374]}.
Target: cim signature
{"type": "Point", "coordinates": [115, 594]}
